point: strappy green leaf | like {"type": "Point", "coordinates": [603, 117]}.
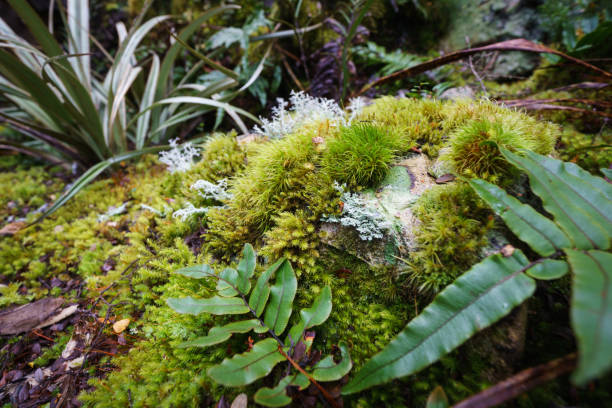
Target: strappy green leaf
{"type": "Point", "coordinates": [228, 280]}
{"type": "Point", "coordinates": [277, 396]}
{"type": "Point", "coordinates": [243, 369]}
{"type": "Point", "coordinates": [328, 370]}
{"type": "Point", "coordinates": [261, 291]}
{"type": "Point", "coordinates": [215, 305]}
{"type": "Point", "coordinates": [313, 316]}
{"type": "Point", "coordinates": [548, 269]}
{"type": "Point", "coordinates": [580, 202]}
{"type": "Point", "coordinates": [197, 271]}
{"type": "Point", "coordinates": [282, 293]}
{"type": "Point", "coordinates": [592, 312]}
{"type": "Point", "coordinates": [246, 269]}
{"type": "Point", "coordinates": [477, 299]}
{"type": "Point", "coordinates": [539, 232]}
{"type": "Point", "coordinates": [218, 335]}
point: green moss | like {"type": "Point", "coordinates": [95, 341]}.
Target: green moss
{"type": "Point", "coordinates": [452, 232]}
{"type": "Point", "coordinates": [360, 154]}
{"type": "Point", "coordinates": [474, 149]}
{"type": "Point", "coordinates": [26, 190]}
{"type": "Point", "coordinates": [280, 190]}
{"type": "Point", "coordinates": [590, 151]}
{"type": "Point", "coordinates": [541, 136]}
{"type": "Point", "coordinates": [10, 295]}
{"type": "Point", "coordinates": [418, 123]}
{"type": "Point", "coordinates": [280, 178]}
{"type": "Point", "coordinates": [294, 237]}
{"type": "Point", "coordinates": [222, 157]}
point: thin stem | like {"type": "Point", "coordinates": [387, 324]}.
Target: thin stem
{"type": "Point", "coordinates": [278, 340]}
{"type": "Point", "coordinates": [327, 396]}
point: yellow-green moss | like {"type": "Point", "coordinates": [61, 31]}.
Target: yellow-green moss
{"type": "Point", "coordinates": [223, 157]}
{"type": "Point", "coordinates": [590, 151]}
{"type": "Point", "coordinates": [280, 178]}
{"type": "Point", "coordinates": [360, 155]}
{"type": "Point", "coordinates": [429, 124]}
{"type": "Point", "coordinates": [295, 237]}
{"type": "Point", "coordinates": [280, 190]}
{"type": "Point", "coordinates": [451, 234]}
{"type": "Point", "coordinates": [418, 123]}
{"type": "Point", "coordinates": [474, 149]}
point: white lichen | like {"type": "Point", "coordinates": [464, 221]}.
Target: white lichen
{"type": "Point", "coordinates": [111, 212]}
{"type": "Point", "coordinates": [208, 190]}
{"type": "Point", "coordinates": [304, 109]}
{"type": "Point", "coordinates": [162, 213]}
{"type": "Point", "coordinates": [178, 158]}
{"type": "Point", "coordinates": [361, 215]}
{"type": "Point", "coordinates": [355, 108]}
{"type": "Point", "coordinates": [185, 213]}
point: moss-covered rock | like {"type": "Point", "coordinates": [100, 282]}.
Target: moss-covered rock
{"type": "Point", "coordinates": [283, 196]}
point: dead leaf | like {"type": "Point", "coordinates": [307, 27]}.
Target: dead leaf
{"type": "Point", "coordinates": [507, 250]}
{"type": "Point", "coordinates": [222, 403]}
{"type": "Point", "coordinates": [240, 401]}
{"type": "Point", "coordinates": [445, 178]}
{"type": "Point", "coordinates": [121, 325]}
{"type": "Point", "coordinates": [12, 228]}
{"type": "Point", "coordinates": [26, 317]}
{"type": "Point", "coordinates": [551, 104]}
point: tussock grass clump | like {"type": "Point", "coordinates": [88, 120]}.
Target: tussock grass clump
{"type": "Point", "coordinates": [360, 155]}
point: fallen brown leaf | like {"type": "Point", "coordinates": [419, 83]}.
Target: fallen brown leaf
{"type": "Point", "coordinates": [12, 228]}
{"type": "Point", "coordinates": [445, 178]}
{"type": "Point", "coordinates": [240, 401]}
{"type": "Point", "coordinates": [121, 325]}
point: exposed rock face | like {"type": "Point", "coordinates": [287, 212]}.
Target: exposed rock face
{"type": "Point", "coordinates": [497, 20]}
{"type": "Point", "coordinates": [406, 181]}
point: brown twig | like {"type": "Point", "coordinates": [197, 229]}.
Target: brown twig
{"type": "Point", "coordinates": [511, 45]}
{"type": "Point", "coordinates": [95, 351]}
{"type": "Point", "coordinates": [286, 53]}
{"type": "Point", "coordinates": [536, 105]}
{"type": "Point", "coordinates": [292, 75]}
{"type": "Point", "coordinates": [582, 85]}
{"type": "Point", "coordinates": [326, 394]}
{"type": "Point", "coordinates": [43, 336]}
{"type": "Point", "coordinates": [520, 383]}
{"type": "Point", "coordinates": [521, 102]}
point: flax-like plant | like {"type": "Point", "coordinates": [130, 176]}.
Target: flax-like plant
{"type": "Point", "coordinates": [95, 119]}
